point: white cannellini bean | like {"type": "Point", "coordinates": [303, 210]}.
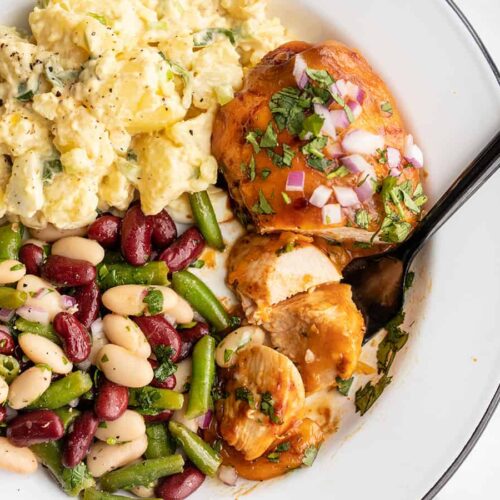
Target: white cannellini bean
{"type": "Point", "coordinates": [182, 312]}
{"type": "Point", "coordinates": [52, 233]}
{"type": "Point", "coordinates": [128, 427]}
{"type": "Point", "coordinates": [128, 300]}
{"type": "Point", "coordinates": [4, 390]}
{"type": "Point", "coordinates": [226, 351]}
{"type": "Point", "coordinates": [124, 367]}
{"type": "Point", "coordinates": [183, 374]}
{"type": "Point", "coordinates": [29, 386]}
{"type": "Point", "coordinates": [14, 459]}
{"type": "Point", "coordinates": [11, 271]}
{"type": "Point", "coordinates": [144, 491]}
{"type": "Point", "coordinates": [76, 247]}
{"type": "Point", "coordinates": [50, 302]}
{"type": "Point", "coordinates": [43, 351]}
{"type": "Point", "coordinates": [104, 458]}
{"type": "Point", "coordinates": [124, 332]}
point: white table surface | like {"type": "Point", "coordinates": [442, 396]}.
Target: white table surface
{"type": "Point", "coordinates": [479, 476]}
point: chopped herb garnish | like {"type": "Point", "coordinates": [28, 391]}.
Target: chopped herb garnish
{"type": "Point", "coordinates": [252, 138]}
{"type": "Point", "coordinates": [234, 322]}
{"type": "Point", "coordinates": [286, 198]}
{"type": "Point", "coordinates": [312, 125]}
{"type": "Point", "coordinates": [146, 397]}
{"type": "Point", "coordinates": [275, 455]}
{"type": "Point", "coordinates": [167, 367]}
{"type": "Point", "coordinates": [320, 76]}
{"type": "Point", "coordinates": [363, 244]}
{"type": "Point", "coordinates": [154, 301]}
{"type": "Point", "coordinates": [382, 156]}
{"type": "Point", "coordinates": [265, 173]}
{"type": "Point", "coordinates": [251, 169]}
{"type": "Point", "coordinates": [244, 394]}
{"type": "Point", "coordinates": [102, 19]}
{"type": "Point", "coordinates": [263, 206]}
{"type": "Point", "coordinates": [23, 93]}
{"type": "Point", "coordinates": [367, 395]}
{"type": "Point", "coordinates": [267, 407]}
{"type": "Point", "coordinates": [50, 169]}
{"type": "Point", "coordinates": [282, 161]}
{"type": "Point", "coordinates": [343, 386]}
{"type": "Point", "coordinates": [197, 264]}
{"type": "Point", "coordinates": [338, 172]}
{"type": "Point", "coordinates": [131, 155]}
{"type": "Point", "coordinates": [103, 425]}
{"type": "Point", "coordinates": [104, 359]}
{"type": "Point", "coordinates": [288, 108]}
{"type": "Point", "coordinates": [315, 146]}
{"type": "Point", "coordinates": [17, 267]}
{"type": "Point", "coordinates": [228, 354]}
{"type": "Point", "coordinates": [362, 219]}
{"type": "Point", "coordinates": [310, 455]}
{"type": "Point", "coordinates": [386, 107]}
{"type": "Point", "coordinates": [287, 248]}
{"type": "Point", "coordinates": [270, 138]}
{"type": "Point", "coordinates": [208, 36]}
{"type": "Point", "coordinates": [410, 278]}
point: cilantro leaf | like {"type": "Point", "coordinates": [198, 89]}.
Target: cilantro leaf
{"type": "Point", "coordinates": [50, 169]}
{"type": "Point", "coordinates": [341, 171]}
{"type": "Point", "coordinates": [288, 108]}
{"type": "Point", "coordinates": [208, 36]}
{"type": "Point", "coordinates": [267, 407]}
{"type": "Point", "coordinates": [244, 394]}
{"type": "Point", "coordinates": [310, 455]}
{"type": "Point", "coordinates": [154, 301]}
{"type": "Point", "coordinates": [263, 206]}
{"type": "Point", "coordinates": [252, 138]}
{"type": "Point", "coordinates": [270, 138]}
{"type": "Point", "coordinates": [343, 386]}
{"type": "Point", "coordinates": [312, 125]}
{"type": "Point", "coordinates": [320, 76]}
{"type": "Point", "coordinates": [410, 278]}
{"type": "Point", "coordinates": [367, 395]}
{"type": "Point", "coordinates": [386, 107]}
{"type": "Point", "coordinates": [362, 219]}
{"type": "Point", "coordinates": [392, 343]}
{"type": "Point", "coordinates": [265, 173]}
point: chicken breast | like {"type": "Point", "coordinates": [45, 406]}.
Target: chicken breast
{"type": "Point", "coordinates": [321, 331]}
{"type": "Point", "coordinates": [265, 270]}
{"type": "Point", "coordinates": [331, 158]}
{"type": "Point", "coordinates": [264, 397]}
{"type": "Point", "coordinates": [296, 448]}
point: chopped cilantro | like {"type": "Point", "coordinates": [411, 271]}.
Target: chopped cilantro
{"type": "Point", "coordinates": [287, 248]}
{"type": "Point", "coordinates": [362, 219]}
{"type": "Point", "coordinates": [228, 354]}
{"type": "Point", "coordinates": [288, 108]}
{"type": "Point", "coordinates": [208, 36]}
{"type": "Point", "coordinates": [197, 264]}
{"type": "Point", "coordinates": [410, 278]}
{"type": "Point", "coordinates": [154, 301]}
{"type": "Point", "coordinates": [252, 138]}
{"type": "Point", "coordinates": [270, 138]}
{"type": "Point", "coordinates": [234, 321]}
{"type": "Point", "coordinates": [382, 156]}
{"type": "Point", "coordinates": [167, 367]}
{"type": "Point", "coordinates": [386, 107]}
{"type": "Point", "coordinates": [275, 455]}
{"type": "Point", "coordinates": [310, 455]}
{"type": "Point", "coordinates": [50, 169]}
{"type": "Point", "coordinates": [367, 395]}
{"type": "Point", "coordinates": [102, 425]}
{"type": "Point", "coordinates": [320, 76]}
{"type": "Point", "coordinates": [267, 408]}
{"type": "Point", "coordinates": [263, 206]}
{"type": "Point", "coordinates": [338, 172]}
{"type": "Point", "coordinates": [146, 397]}
{"type": "Point", "coordinates": [104, 359]}
{"type": "Point", "coordinates": [244, 394]}
{"type": "Point", "coordinates": [343, 386]}
{"type": "Point", "coordinates": [312, 125]}
{"type": "Point", "coordinates": [23, 93]}
{"type": "Point", "coordinates": [315, 146]}
{"type": "Point", "coordinates": [286, 198]}
{"type": "Point", "coordinates": [251, 169]}
{"type": "Point", "coordinates": [265, 173]}
{"type": "Point", "coordinates": [282, 161]}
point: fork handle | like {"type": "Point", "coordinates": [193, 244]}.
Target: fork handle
{"type": "Point", "coordinates": [474, 176]}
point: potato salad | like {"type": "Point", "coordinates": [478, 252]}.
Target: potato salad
{"type": "Point", "coordinates": [107, 101]}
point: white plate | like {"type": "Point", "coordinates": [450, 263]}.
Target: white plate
{"type": "Point", "coordinates": [447, 375]}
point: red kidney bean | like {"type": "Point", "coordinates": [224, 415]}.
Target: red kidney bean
{"type": "Point", "coordinates": [88, 298]}
{"type": "Point", "coordinates": [111, 401]}
{"type": "Point", "coordinates": [168, 383]}
{"type": "Point", "coordinates": [75, 337]}
{"type": "Point", "coordinates": [35, 427]}
{"type": "Point", "coordinates": [137, 231]}
{"type": "Point", "coordinates": [163, 416]}
{"type": "Point", "coordinates": [3, 414]}
{"type": "Point", "coordinates": [79, 439]}
{"type": "Point", "coordinates": [7, 345]}
{"type": "Point", "coordinates": [180, 485]}
{"type": "Point", "coordinates": [186, 249]}
{"type": "Point", "coordinates": [189, 337]}
{"type": "Point", "coordinates": [159, 332]}
{"type": "Point", "coordinates": [164, 230]}
{"type": "Point", "coordinates": [63, 271]}
{"type": "Point", "coordinates": [32, 257]}
{"type": "Point", "coordinates": [106, 230]}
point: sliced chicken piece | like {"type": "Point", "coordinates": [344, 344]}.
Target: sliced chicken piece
{"type": "Point", "coordinates": [291, 451]}
{"type": "Point", "coordinates": [321, 331]}
{"type": "Point", "coordinates": [265, 395]}
{"type": "Point", "coordinates": [265, 270]}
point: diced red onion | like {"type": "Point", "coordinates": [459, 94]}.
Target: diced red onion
{"type": "Point", "coordinates": [299, 72]}
{"type": "Point", "coordinates": [346, 196]}
{"type": "Point", "coordinates": [227, 475]}
{"type": "Point", "coordinates": [334, 150]}
{"type": "Point", "coordinates": [341, 86]}
{"type": "Point", "coordinates": [365, 190]}
{"type": "Point", "coordinates": [328, 125]}
{"type": "Point", "coordinates": [34, 314]}
{"type": "Point", "coordinates": [393, 157]}
{"type": "Point", "coordinates": [6, 314]}
{"type": "Point", "coordinates": [320, 196]}
{"type": "Point", "coordinates": [331, 214]}
{"type": "Point", "coordinates": [339, 118]}
{"type": "Point", "coordinates": [68, 301]}
{"type": "Point", "coordinates": [295, 181]}
{"type": "Point", "coordinates": [363, 142]}
{"type": "Point", "coordinates": [205, 420]}
{"type": "Point", "coordinates": [356, 108]}
{"type": "Point", "coordinates": [395, 172]}
{"type": "Point", "coordinates": [413, 153]}
{"type": "Point", "coordinates": [357, 164]}
{"type": "Point", "coordinates": [355, 92]}
{"type": "Point", "coordinates": [96, 327]}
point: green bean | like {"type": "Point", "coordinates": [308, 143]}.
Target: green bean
{"type": "Point", "coordinates": [152, 273]}
{"type": "Point", "coordinates": [62, 391]}
{"type": "Point", "coordinates": [205, 218]}
{"type": "Point", "coordinates": [73, 481]}
{"type": "Point", "coordinates": [93, 494]}
{"type": "Point", "coordinates": [11, 236]}
{"type": "Point", "coordinates": [191, 288]}
{"type": "Point", "coordinates": [9, 368]}
{"type": "Point", "coordinates": [10, 298]}
{"type": "Point", "coordinates": [68, 415]}
{"type": "Point", "coordinates": [159, 444]}
{"type": "Point", "coordinates": [112, 257]}
{"type": "Point", "coordinates": [142, 473]}
{"type": "Point", "coordinates": [46, 331]}
{"type": "Point", "coordinates": [197, 450]}
{"type": "Point", "coordinates": [202, 379]}
{"type": "Point", "coordinates": [152, 398]}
